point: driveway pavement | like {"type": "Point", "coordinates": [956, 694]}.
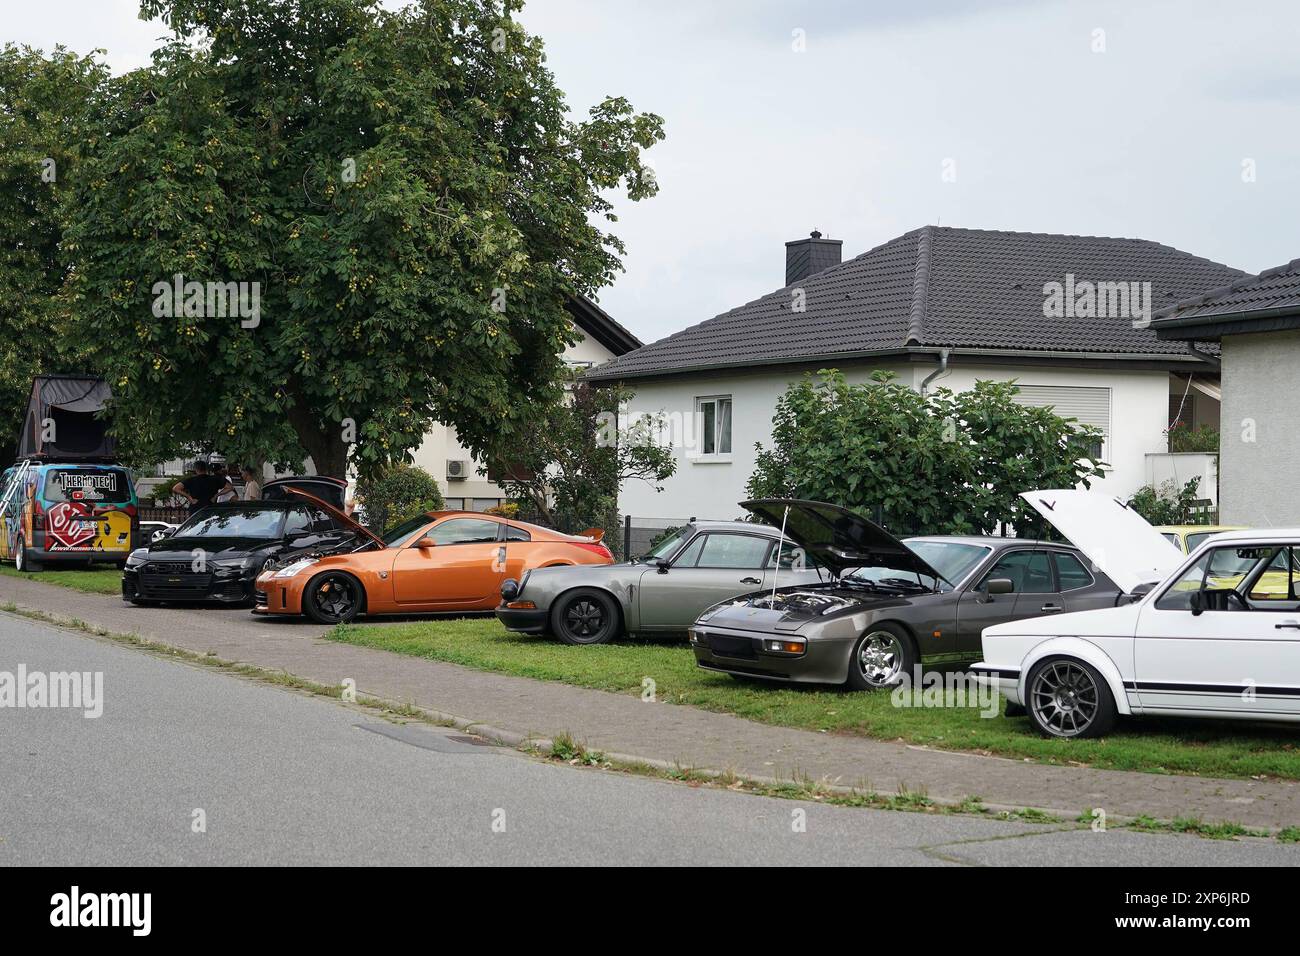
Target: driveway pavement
{"type": "Point", "coordinates": [187, 765]}
{"type": "Point", "coordinates": [626, 726]}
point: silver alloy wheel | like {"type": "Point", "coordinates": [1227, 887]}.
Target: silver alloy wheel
{"type": "Point", "coordinates": [20, 556]}
{"type": "Point", "coordinates": [880, 658]}
{"type": "Point", "coordinates": [1064, 698]}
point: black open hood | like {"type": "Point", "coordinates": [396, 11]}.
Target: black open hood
{"type": "Point", "coordinates": [837, 538]}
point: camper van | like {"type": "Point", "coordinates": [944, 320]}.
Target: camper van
{"type": "Point", "coordinates": [55, 512]}
{"type": "Point", "coordinates": [67, 499]}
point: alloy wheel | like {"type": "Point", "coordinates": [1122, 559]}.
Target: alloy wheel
{"type": "Point", "coordinates": [584, 618]}
{"type": "Point", "coordinates": [335, 597]}
{"type": "Point", "coordinates": [880, 657]}
{"type": "Point", "coordinates": [1064, 698]}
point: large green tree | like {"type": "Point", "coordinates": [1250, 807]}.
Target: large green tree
{"type": "Point", "coordinates": [408, 192]}
{"type": "Point", "coordinates": [947, 462]}
{"type": "Point", "coordinates": [48, 106]}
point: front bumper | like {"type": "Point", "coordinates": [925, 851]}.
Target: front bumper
{"type": "Point", "coordinates": [153, 583]}
{"type": "Point", "coordinates": [272, 595]}
{"type": "Point", "coordinates": [1005, 680]}
{"type": "Point", "coordinates": [522, 620]}
{"type": "Point", "coordinates": [824, 660]}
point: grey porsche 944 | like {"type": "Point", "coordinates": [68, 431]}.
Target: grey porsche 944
{"type": "Point", "coordinates": [886, 605]}
{"type": "Point", "coordinates": [661, 592]}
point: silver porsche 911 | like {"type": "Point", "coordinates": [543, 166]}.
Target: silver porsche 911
{"type": "Point", "coordinates": [662, 592]}
{"type": "Point", "coordinates": [887, 605]}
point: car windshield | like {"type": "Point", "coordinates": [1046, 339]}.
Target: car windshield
{"type": "Point", "coordinates": [667, 546]}
{"type": "Point", "coordinates": [398, 535]}
{"type": "Point", "coordinates": [234, 523]}
{"type": "Point", "coordinates": [954, 560]}
{"type": "Point", "coordinates": [1194, 540]}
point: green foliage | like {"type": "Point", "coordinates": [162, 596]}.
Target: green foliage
{"type": "Point", "coordinates": [1203, 439]}
{"type": "Point", "coordinates": [941, 463]}
{"type": "Point", "coordinates": [397, 493]}
{"type": "Point", "coordinates": [404, 185]}
{"type": "Point", "coordinates": [47, 105]}
{"type": "Point", "coordinates": [1168, 505]}
{"type": "Point", "coordinates": [578, 456]}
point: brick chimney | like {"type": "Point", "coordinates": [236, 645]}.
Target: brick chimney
{"type": "Point", "coordinates": [806, 257]}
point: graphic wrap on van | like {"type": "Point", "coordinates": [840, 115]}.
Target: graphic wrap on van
{"type": "Point", "coordinates": [64, 512]}
{"type": "Point", "coordinates": [87, 509]}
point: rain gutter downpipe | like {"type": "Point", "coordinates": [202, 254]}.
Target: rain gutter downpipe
{"type": "Point", "coordinates": [941, 370]}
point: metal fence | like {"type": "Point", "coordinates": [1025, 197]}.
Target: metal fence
{"type": "Point", "coordinates": [170, 515]}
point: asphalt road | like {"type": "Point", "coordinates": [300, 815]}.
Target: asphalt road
{"type": "Point", "coordinates": [284, 778]}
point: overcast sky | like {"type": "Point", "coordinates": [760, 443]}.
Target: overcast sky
{"type": "Point", "coordinates": [1126, 118]}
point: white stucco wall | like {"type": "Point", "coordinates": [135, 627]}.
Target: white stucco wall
{"type": "Point", "coordinates": [711, 488]}
{"type": "Point", "coordinates": [1260, 456]}
{"type": "Point", "coordinates": [441, 444]}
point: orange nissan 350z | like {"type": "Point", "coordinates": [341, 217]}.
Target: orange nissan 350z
{"type": "Point", "coordinates": [442, 561]}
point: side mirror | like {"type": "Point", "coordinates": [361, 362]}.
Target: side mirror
{"type": "Point", "coordinates": [163, 533]}
{"type": "Point", "coordinates": [663, 566]}
{"type": "Point", "coordinates": [1000, 586]}
{"type": "Point", "coordinates": [425, 543]}
{"type": "Point", "coordinates": [1196, 601]}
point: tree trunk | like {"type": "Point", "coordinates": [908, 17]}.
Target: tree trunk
{"type": "Point", "coordinates": [329, 453]}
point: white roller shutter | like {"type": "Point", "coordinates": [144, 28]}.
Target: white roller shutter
{"type": "Point", "coordinates": [1091, 406]}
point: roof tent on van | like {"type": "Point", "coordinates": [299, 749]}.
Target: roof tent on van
{"type": "Point", "coordinates": [62, 422]}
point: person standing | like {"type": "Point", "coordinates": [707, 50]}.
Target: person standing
{"type": "Point", "coordinates": [200, 488]}
{"type": "Point", "coordinates": [252, 487]}
{"type": "Point", "coordinates": [227, 492]}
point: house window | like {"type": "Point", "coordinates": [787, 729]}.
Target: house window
{"type": "Point", "coordinates": [713, 414]}
{"type": "Point", "coordinates": [1088, 405]}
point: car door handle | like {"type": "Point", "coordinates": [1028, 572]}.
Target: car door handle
{"type": "Point", "coordinates": [750, 581]}
{"type": "Point", "coordinates": [1291, 624]}
{"type": "Point", "coordinates": [1050, 608]}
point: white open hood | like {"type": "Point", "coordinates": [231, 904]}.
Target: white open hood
{"type": "Point", "coordinates": [1116, 538]}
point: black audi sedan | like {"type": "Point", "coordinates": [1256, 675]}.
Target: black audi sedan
{"type": "Point", "coordinates": [218, 553]}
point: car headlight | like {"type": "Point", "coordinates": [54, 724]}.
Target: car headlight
{"type": "Point", "coordinates": [289, 570]}
{"type": "Point", "coordinates": [137, 557]}
{"type": "Point", "coordinates": [229, 563]}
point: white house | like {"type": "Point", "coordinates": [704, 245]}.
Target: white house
{"type": "Point", "coordinates": [463, 480]}
{"type": "Point", "coordinates": [1065, 316]}
{"type": "Point", "coordinates": [1256, 323]}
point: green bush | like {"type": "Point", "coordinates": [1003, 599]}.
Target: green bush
{"type": "Point", "coordinates": [396, 494]}
{"type": "Point", "coordinates": [1204, 439]}
{"type": "Point", "coordinates": [943, 463]}
{"type": "Point", "coordinates": [1168, 505]}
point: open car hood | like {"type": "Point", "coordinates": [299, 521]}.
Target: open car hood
{"type": "Point", "coordinates": [335, 513]}
{"type": "Point", "coordinates": [837, 538]}
{"type": "Point", "coordinates": [1116, 538]}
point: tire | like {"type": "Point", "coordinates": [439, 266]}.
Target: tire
{"type": "Point", "coordinates": [880, 658]}
{"type": "Point", "coordinates": [586, 616]}
{"type": "Point", "coordinates": [24, 563]}
{"type": "Point", "coordinates": [333, 598]}
{"type": "Point", "coordinates": [1068, 699]}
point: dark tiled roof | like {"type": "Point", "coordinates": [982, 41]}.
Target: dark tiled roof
{"type": "Point", "coordinates": [1274, 292]}
{"type": "Point", "coordinates": [600, 325]}
{"type": "Point", "coordinates": [934, 287]}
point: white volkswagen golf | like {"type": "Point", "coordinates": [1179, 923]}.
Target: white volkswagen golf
{"type": "Point", "coordinates": [1212, 634]}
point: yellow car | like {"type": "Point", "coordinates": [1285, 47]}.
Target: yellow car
{"type": "Point", "coordinates": [1188, 537]}
{"type": "Point", "coordinates": [1270, 585]}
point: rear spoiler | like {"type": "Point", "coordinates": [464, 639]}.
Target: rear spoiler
{"type": "Point", "coordinates": [595, 535]}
